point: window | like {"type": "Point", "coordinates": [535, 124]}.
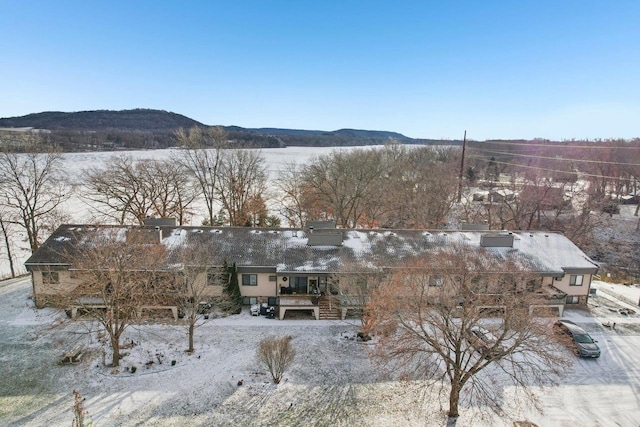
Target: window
{"type": "Point", "coordinates": [212, 279]}
{"type": "Point", "coordinates": [300, 284]}
{"type": "Point", "coordinates": [50, 277]}
{"type": "Point", "coordinates": [575, 280]}
{"type": "Point", "coordinates": [436, 281]}
{"type": "Point", "coordinates": [249, 280]}
{"type": "Point", "coordinates": [573, 299]}
{"type": "Point", "coordinates": [249, 300]}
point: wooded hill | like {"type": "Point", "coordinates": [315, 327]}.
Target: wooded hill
{"type": "Point", "coordinates": [146, 128]}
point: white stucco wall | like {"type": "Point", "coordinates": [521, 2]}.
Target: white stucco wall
{"type": "Point", "coordinates": [564, 286]}
{"type": "Point", "coordinates": [265, 288]}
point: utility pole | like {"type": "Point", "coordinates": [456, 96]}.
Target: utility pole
{"type": "Point", "coordinates": [464, 147]}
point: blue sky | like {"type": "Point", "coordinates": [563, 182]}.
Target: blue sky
{"type": "Point", "coordinates": [427, 69]}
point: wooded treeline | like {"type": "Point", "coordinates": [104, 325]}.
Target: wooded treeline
{"type": "Point", "coordinates": [515, 186]}
{"type": "Point", "coordinates": [610, 166]}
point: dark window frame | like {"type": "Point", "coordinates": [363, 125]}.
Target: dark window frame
{"type": "Point", "coordinates": [573, 299]}
{"type": "Point", "coordinates": [573, 279]}
{"type": "Point", "coordinates": [249, 277]}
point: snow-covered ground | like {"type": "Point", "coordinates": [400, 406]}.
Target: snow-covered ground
{"type": "Point", "coordinates": [331, 381]}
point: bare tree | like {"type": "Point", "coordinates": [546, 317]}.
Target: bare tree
{"type": "Point", "coordinates": [242, 179]}
{"type": "Point", "coordinates": [355, 287]}
{"type": "Point", "coordinates": [421, 190]}
{"type": "Point", "coordinates": [425, 316]}
{"type": "Point", "coordinates": [32, 187]}
{"type": "Point", "coordinates": [118, 270]}
{"type": "Point", "coordinates": [116, 191]}
{"type": "Point", "coordinates": [203, 285]}
{"type": "Point", "coordinates": [170, 189]}
{"type": "Point", "coordinates": [125, 190]}
{"type": "Point", "coordinates": [202, 158]}
{"type": "Point", "coordinates": [343, 182]}
{"type": "Point", "coordinates": [289, 184]}
{"type": "Point", "coordinates": [276, 354]}
{"type": "Point", "coordinates": [394, 187]}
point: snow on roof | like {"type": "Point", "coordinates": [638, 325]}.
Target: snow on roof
{"type": "Point", "coordinates": [177, 238]}
{"type": "Point", "coordinates": [286, 250]}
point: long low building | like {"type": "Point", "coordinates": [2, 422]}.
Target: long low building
{"type": "Point", "coordinates": [295, 268]}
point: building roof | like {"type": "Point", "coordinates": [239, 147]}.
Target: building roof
{"type": "Point", "coordinates": [287, 250]}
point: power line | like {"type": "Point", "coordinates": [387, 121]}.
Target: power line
{"type": "Point", "coordinates": [558, 145]}
{"type": "Point", "coordinates": [533, 156]}
{"type": "Point", "coordinates": [547, 169]}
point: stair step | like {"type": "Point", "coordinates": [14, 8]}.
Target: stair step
{"type": "Point", "coordinates": [329, 309]}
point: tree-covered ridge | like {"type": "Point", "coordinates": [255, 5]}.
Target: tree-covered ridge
{"type": "Point", "coordinates": [138, 119]}
{"type": "Point", "coordinates": [146, 128]}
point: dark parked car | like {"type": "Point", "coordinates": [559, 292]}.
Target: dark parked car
{"type": "Point", "coordinates": [582, 343]}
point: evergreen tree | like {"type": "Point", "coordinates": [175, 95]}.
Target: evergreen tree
{"type": "Point", "coordinates": [231, 287]}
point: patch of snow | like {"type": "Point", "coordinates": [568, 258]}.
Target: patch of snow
{"type": "Point", "coordinates": [178, 238]}
{"type": "Point", "coordinates": [358, 242]}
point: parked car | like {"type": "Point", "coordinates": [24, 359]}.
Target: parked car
{"type": "Point", "coordinates": [484, 342]}
{"type": "Point", "coordinates": [582, 343]}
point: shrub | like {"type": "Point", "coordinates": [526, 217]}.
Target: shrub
{"type": "Point", "coordinates": [276, 354]}
{"type": "Point", "coordinates": [78, 410]}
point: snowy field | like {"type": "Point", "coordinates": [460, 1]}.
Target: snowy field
{"type": "Point", "coordinates": [331, 383]}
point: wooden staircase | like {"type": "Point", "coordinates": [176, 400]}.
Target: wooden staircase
{"type": "Point", "coordinates": [329, 308]}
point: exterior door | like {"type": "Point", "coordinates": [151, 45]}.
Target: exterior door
{"type": "Point", "coordinates": [300, 285]}
{"type": "Point", "coordinates": [322, 284]}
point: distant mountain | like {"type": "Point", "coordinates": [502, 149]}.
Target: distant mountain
{"type": "Point", "coordinates": [353, 133]}
{"type": "Point", "coordinates": [138, 119]}
{"type": "Point", "coordinates": [146, 128]}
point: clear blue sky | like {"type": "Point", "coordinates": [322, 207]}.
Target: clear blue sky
{"type": "Point", "coordinates": [428, 69]}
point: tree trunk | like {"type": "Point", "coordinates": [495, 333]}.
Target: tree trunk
{"type": "Point", "coordinates": [191, 329]}
{"type": "Point", "coordinates": [454, 398]}
{"type": "Point", "coordinates": [115, 351]}
{"type": "Point", "coordinates": [7, 244]}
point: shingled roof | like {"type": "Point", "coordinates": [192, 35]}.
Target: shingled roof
{"type": "Point", "coordinates": [287, 250]}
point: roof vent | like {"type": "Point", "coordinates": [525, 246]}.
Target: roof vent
{"type": "Point", "coordinates": [496, 240]}
{"type": "Point", "coordinates": [474, 227]}
{"type": "Point", "coordinates": [317, 225]}
{"type": "Point", "coordinates": [162, 222]}
{"type": "Point", "coordinates": [325, 237]}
